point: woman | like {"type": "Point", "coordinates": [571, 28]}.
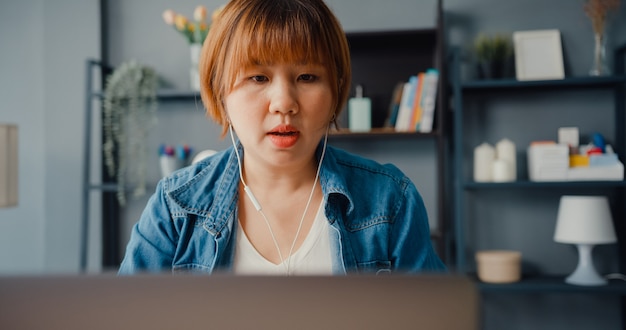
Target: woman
{"type": "Point", "coordinates": [277, 73]}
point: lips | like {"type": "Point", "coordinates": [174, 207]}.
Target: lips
{"type": "Point", "coordinates": [283, 130]}
{"type": "Point", "coordinates": [284, 136]}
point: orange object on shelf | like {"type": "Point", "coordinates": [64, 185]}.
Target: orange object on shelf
{"type": "Point", "coordinates": [578, 160]}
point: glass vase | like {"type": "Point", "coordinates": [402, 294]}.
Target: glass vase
{"type": "Point", "coordinates": [600, 66]}
{"type": "Point", "coordinates": [194, 75]}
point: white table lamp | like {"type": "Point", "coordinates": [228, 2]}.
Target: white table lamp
{"type": "Point", "coordinates": [584, 221]}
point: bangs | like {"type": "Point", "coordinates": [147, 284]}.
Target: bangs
{"type": "Point", "coordinates": [285, 35]}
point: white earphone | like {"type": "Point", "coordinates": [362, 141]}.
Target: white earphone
{"type": "Point", "coordinates": [258, 207]}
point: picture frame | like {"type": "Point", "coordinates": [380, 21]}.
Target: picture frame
{"type": "Point", "coordinates": [538, 55]}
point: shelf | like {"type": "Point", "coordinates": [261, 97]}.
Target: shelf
{"type": "Point", "coordinates": [555, 284]}
{"type": "Point", "coordinates": [345, 133]}
{"type": "Point", "coordinates": [105, 187]}
{"type": "Point", "coordinates": [396, 39]}
{"type": "Point", "coordinates": [163, 94]}
{"type": "Point", "coordinates": [382, 59]}
{"type": "Point", "coordinates": [112, 187]}
{"type": "Point", "coordinates": [582, 82]}
{"type": "Point", "coordinates": [544, 184]}
{"type": "Point", "coordinates": [172, 94]}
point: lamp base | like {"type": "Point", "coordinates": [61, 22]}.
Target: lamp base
{"type": "Point", "coordinates": [585, 273]}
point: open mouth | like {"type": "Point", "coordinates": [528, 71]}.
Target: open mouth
{"type": "Point", "coordinates": [284, 136]}
{"type": "Point", "coordinates": [284, 130]}
{"type": "Point", "coordinates": [290, 133]}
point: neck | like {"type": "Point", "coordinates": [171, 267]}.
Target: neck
{"type": "Point", "coordinates": [266, 176]}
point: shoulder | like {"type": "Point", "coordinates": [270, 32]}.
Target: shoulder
{"type": "Point", "coordinates": [203, 169]}
{"type": "Point", "coordinates": [195, 187]}
{"type": "Point", "coordinates": [366, 188]}
{"type": "Point", "coordinates": [354, 168]}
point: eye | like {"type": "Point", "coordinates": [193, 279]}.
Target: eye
{"type": "Point", "coordinates": [307, 77]}
{"type": "Point", "coordinates": [259, 78]}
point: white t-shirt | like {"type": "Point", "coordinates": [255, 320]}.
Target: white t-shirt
{"type": "Point", "coordinates": [312, 258]}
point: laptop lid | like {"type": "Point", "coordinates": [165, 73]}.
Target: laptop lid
{"type": "Point", "coordinates": [238, 302]}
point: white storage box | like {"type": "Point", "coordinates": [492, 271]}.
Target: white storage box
{"type": "Point", "coordinates": [548, 162]}
{"type": "Point", "coordinates": [602, 173]}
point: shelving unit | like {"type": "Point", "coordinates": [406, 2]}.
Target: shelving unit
{"type": "Point", "coordinates": [465, 188]}
{"type": "Point", "coordinates": [110, 214]}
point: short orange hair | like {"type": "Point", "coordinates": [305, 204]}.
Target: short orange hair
{"type": "Point", "coordinates": [269, 31]}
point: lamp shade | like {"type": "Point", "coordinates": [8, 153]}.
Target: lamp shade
{"type": "Point", "coordinates": [584, 220]}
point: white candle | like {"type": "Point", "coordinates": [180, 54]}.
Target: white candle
{"type": "Point", "coordinates": [484, 156]}
{"type": "Point", "coordinates": [502, 171]}
{"type": "Point", "coordinates": [505, 150]}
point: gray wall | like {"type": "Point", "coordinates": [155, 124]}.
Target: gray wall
{"type": "Point", "coordinates": [22, 228]}
{"type": "Point", "coordinates": [45, 44]}
{"type": "Point", "coordinates": [44, 47]}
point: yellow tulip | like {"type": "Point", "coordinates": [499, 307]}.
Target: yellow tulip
{"type": "Point", "coordinates": [181, 22]}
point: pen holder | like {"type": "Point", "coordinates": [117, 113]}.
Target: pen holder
{"type": "Point", "coordinates": [169, 164]}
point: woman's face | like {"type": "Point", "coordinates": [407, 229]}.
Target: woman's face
{"type": "Point", "coordinates": [281, 111]}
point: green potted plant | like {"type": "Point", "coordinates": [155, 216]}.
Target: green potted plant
{"type": "Point", "coordinates": [493, 54]}
{"type": "Point", "coordinates": [129, 111]}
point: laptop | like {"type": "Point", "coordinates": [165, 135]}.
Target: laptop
{"type": "Point", "coordinates": [238, 302]}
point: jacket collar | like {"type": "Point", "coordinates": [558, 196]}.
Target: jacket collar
{"type": "Point", "coordinates": [333, 182]}
{"type": "Point", "coordinates": [212, 192]}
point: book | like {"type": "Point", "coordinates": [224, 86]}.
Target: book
{"type": "Point", "coordinates": [428, 100]}
{"type": "Point", "coordinates": [394, 105]}
{"type": "Point", "coordinates": [416, 115]}
{"type": "Point", "coordinates": [406, 105]}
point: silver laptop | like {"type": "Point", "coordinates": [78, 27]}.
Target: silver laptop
{"type": "Point", "coordinates": [238, 302]}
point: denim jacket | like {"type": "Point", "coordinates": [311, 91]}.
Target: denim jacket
{"type": "Point", "coordinates": [378, 219]}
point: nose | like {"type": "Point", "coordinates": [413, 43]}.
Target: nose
{"type": "Point", "coordinates": [283, 98]}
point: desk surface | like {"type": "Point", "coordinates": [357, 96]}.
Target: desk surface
{"type": "Point", "coordinates": [237, 302]}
